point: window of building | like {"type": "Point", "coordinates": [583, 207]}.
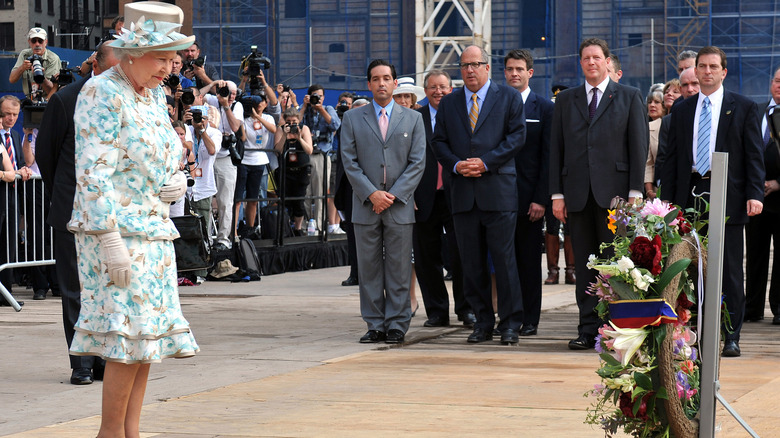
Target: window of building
{"type": "Point", "coordinates": [295, 9]}
{"type": "Point", "coordinates": [50, 7]}
{"type": "Point", "coordinates": [6, 4]}
{"type": "Point", "coordinates": [38, 6]}
{"type": "Point", "coordinates": [634, 39]}
{"type": "Point", "coordinates": [112, 8]}
{"type": "Point", "coordinates": [7, 41]}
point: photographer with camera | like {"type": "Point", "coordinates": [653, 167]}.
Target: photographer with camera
{"type": "Point", "coordinates": [260, 87]}
{"type": "Point", "coordinates": [295, 138]}
{"type": "Point", "coordinates": [323, 121]}
{"type": "Point", "coordinates": [229, 123]}
{"type": "Point", "coordinates": [287, 98]}
{"type": "Point", "coordinates": [195, 67]}
{"type": "Point", "coordinates": [36, 66]}
{"type": "Point", "coordinates": [252, 181]}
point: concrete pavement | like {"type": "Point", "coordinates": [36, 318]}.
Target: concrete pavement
{"type": "Point", "coordinates": [280, 358]}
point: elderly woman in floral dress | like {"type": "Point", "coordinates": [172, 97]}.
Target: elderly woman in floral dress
{"type": "Point", "coordinates": [127, 173]}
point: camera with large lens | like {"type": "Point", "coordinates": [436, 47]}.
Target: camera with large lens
{"type": "Point", "coordinates": [293, 128]}
{"type": "Point", "coordinates": [190, 179]}
{"type": "Point", "coordinates": [199, 61]}
{"type": "Point", "coordinates": [197, 115]}
{"type": "Point", "coordinates": [172, 81]}
{"type": "Point", "coordinates": [37, 68]}
{"type": "Point", "coordinates": [342, 108]}
{"type": "Point", "coordinates": [223, 91]}
{"type": "Point", "coordinates": [314, 99]}
{"type": "Point", "coordinates": [187, 97]}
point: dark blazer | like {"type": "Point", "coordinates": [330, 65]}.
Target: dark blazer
{"type": "Point", "coordinates": [533, 160]}
{"type": "Point", "coordinates": [426, 190]}
{"type": "Point", "coordinates": [55, 153]}
{"type": "Point", "coordinates": [587, 155]}
{"type": "Point", "coordinates": [739, 134]}
{"type": "Point", "coordinates": [498, 136]}
{"type": "Point", "coordinates": [16, 140]}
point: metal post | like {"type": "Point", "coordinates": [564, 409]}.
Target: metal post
{"type": "Point", "coordinates": [709, 332]}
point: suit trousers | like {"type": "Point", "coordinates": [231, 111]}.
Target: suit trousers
{"type": "Point", "coordinates": [479, 232]}
{"type": "Point", "coordinates": [761, 232]}
{"type": "Point", "coordinates": [428, 263]}
{"type": "Point", "coordinates": [528, 249]}
{"type": "Point", "coordinates": [70, 287]}
{"type": "Point", "coordinates": [225, 174]}
{"type": "Point", "coordinates": [732, 280]}
{"type": "Point", "coordinates": [384, 252]}
{"type": "Point", "coordinates": [320, 174]}
{"type": "Point", "coordinates": [588, 229]}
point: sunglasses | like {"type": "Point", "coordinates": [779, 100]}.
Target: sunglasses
{"type": "Point", "coordinates": [36, 40]}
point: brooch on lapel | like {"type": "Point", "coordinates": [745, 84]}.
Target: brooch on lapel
{"type": "Point", "coordinates": [406, 134]}
{"type": "Point", "coordinates": [728, 112]}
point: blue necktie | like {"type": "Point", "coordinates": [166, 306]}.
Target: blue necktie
{"type": "Point", "coordinates": [703, 146]}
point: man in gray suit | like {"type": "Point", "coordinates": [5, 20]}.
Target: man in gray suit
{"type": "Point", "coordinates": [383, 151]}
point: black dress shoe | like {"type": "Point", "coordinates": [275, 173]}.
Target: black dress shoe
{"type": "Point", "coordinates": [350, 281]}
{"type": "Point", "coordinates": [754, 318]}
{"type": "Point", "coordinates": [56, 293]}
{"type": "Point", "coordinates": [731, 349]}
{"type": "Point", "coordinates": [372, 337]}
{"type": "Point", "coordinates": [437, 321]}
{"type": "Point", "coordinates": [528, 330]}
{"type": "Point", "coordinates": [394, 336]}
{"type": "Point", "coordinates": [468, 319]}
{"type": "Point", "coordinates": [583, 342]}
{"type": "Point", "coordinates": [81, 376]}
{"type": "Point", "coordinates": [509, 336]}
{"type": "Point", "coordinates": [480, 335]}
{"type": "Point", "coordinates": [39, 295]}
{"type": "Point", "coordinates": [776, 320]}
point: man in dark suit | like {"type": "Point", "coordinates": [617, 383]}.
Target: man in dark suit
{"type": "Point", "coordinates": [383, 151]}
{"type": "Point", "coordinates": [722, 121]}
{"type": "Point", "coordinates": [479, 130]}
{"type": "Point", "coordinates": [532, 163]}
{"type": "Point", "coordinates": [55, 154]}
{"type": "Point", "coordinates": [764, 229]}
{"type": "Point", "coordinates": [597, 152]}
{"type": "Point", "coordinates": [10, 194]}
{"type": "Point", "coordinates": [433, 215]}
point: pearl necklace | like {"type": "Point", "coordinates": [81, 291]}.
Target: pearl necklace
{"type": "Point", "coordinates": [123, 75]}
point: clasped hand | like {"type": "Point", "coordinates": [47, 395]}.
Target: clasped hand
{"type": "Point", "coordinates": [381, 200]}
{"type": "Point", "coordinates": [471, 167]}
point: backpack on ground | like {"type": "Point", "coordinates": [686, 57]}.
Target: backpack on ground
{"type": "Point", "coordinates": [248, 261]}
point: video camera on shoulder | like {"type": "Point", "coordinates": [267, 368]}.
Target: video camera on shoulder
{"type": "Point", "coordinates": [66, 75]}
{"type": "Point", "coordinates": [253, 63]}
{"type": "Point", "coordinates": [32, 112]}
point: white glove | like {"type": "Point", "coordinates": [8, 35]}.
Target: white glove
{"type": "Point", "coordinates": [175, 188]}
{"type": "Point", "coordinates": [117, 258]}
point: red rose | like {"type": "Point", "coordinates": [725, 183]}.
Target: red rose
{"type": "Point", "coordinates": [683, 225]}
{"type": "Point", "coordinates": [646, 253]}
{"type": "Point", "coordinates": [627, 406]}
{"type": "Point", "coordinates": [683, 301]}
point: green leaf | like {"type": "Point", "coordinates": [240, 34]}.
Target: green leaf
{"type": "Point", "coordinates": [624, 291]}
{"type": "Point", "coordinates": [643, 381]}
{"type": "Point", "coordinates": [669, 274]}
{"type": "Point", "coordinates": [637, 405]}
{"type": "Point", "coordinates": [659, 334]}
{"type": "Point", "coordinates": [662, 393]}
{"type": "Point", "coordinates": [672, 215]}
{"type": "Point", "coordinates": [606, 357]}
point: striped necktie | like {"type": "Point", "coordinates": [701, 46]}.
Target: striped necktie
{"type": "Point", "coordinates": [474, 112]}
{"type": "Point", "coordinates": [703, 145]}
{"type": "Point", "coordinates": [10, 149]}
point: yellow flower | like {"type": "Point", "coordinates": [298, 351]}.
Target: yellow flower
{"type": "Point", "coordinates": [611, 225]}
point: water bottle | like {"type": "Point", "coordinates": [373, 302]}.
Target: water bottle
{"type": "Point", "coordinates": [312, 229]}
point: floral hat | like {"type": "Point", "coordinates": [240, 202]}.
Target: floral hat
{"type": "Point", "coordinates": [153, 26]}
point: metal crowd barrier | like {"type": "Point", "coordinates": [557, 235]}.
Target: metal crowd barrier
{"type": "Point", "coordinates": [20, 199]}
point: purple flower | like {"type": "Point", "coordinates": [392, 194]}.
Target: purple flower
{"type": "Point", "coordinates": [599, 348]}
{"type": "Point", "coordinates": [694, 353]}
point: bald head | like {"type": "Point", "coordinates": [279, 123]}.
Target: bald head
{"type": "Point", "coordinates": [689, 83]}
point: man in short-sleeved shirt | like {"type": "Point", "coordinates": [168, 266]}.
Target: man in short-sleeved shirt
{"type": "Point", "coordinates": [37, 38]}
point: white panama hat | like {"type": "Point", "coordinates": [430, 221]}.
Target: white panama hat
{"type": "Point", "coordinates": [406, 86]}
{"type": "Point", "coordinates": [153, 27]}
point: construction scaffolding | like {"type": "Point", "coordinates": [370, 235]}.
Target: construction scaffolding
{"type": "Point", "coordinates": [331, 41]}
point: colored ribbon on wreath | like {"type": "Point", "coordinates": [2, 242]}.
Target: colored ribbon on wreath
{"type": "Point", "coordinates": [641, 313]}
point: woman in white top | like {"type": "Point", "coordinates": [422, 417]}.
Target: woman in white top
{"type": "Point", "coordinates": [258, 128]}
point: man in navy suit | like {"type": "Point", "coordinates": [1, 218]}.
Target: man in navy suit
{"type": "Point", "coordinates": [598, 151]}
{"type": "Point", "coordinates": [433, 215]}
{"type": "Point", "coordinates": [55, 154]}
{"type": "Point", "coordinates": [718, 120]}
{"type": "Point", "coordinates": [9, 193]}
{"type": "Point", "coordinates": [479, 130]}
{"type": "Point", "coordinates": [532, 163]}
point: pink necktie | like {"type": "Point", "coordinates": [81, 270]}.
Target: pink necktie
{"type": "Point", "coordinates": [383, 122]}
